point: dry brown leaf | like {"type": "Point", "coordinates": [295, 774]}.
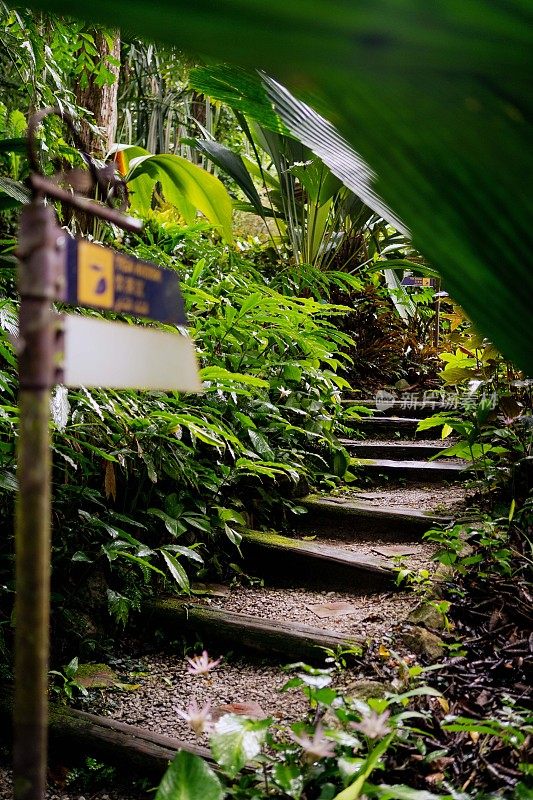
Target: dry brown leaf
{"type": "Point", "coordinates": [110, 482]}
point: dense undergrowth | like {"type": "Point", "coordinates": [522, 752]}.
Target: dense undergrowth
{"type": "Point", "coordinates": [154, 487]}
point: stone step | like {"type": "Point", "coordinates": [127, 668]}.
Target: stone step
{"type": "Point", "coordinates": [406, 451]}
{"type": "Point", "coordinates": [408, 407]}
{"type": "Point", "coordinates": [411, 471]}
{"type": "Point", "coordinates": [387, 427]}
{"type": "Point", "coordinates": [289, 561]}
{"type": "Point", "coordinates": [216, 626]}
{"type": "Point", "coordinates": [128, 747]}
{"type": "Point", "coordinates": [347, 517]}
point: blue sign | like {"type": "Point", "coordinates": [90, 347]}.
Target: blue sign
{"type": "Point", "coordinates": [411, 280]}
{"type": "Point", "coordinates": [102, 278]}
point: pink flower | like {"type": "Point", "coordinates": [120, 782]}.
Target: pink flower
{"type": "Point", "coordinates": [373, 725]}
{"type": "Point", "coordinates": [315, 746]}
{"type": "Point", "coordinates": [198, 718]}
{"type": "Point", "coordinates": [200, 665]}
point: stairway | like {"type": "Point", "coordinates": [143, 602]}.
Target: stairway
{"type": "Point", "coordinates": [329, 587]}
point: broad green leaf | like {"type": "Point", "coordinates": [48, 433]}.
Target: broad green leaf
{"type": "Point", "coordinates": [326, 142]}
{"type": "Point", "coordinates": [235, 741]}
{"type": "Point", "coordinates": [435, 103]}
{"type": "Point", "coordinates": [219, 374]}
{"type": "Point", "coordinates": [177, 571]}
{"type": "Point", "coordinates": [185, 185]}
{"type": "Point", "coordinates": [173, 526]}
{"type": "Point", "coordinates": [232, 164]}
{"type": "Point", "coordinates": [289, 778]}
{"type": "Point", "coordinates": [15, 145]}
{"type": "Point", "coordinates": [13, 192]}
{"type": "Point", "coordinates": [456, 375]}
{"type": "Point", "coordinates": [353, 792]}
{"type": "Point", "coordinates": [402, 302]}
{"type": "Point", "coordinates": [403, 264]}
{"type": "Point", "coordinates": [142, 562]}
{"type": "Point", "coordinates": [240, 89]}
{"type": "Point", "coordinates": [187, 552]}
{"type": "Point", "coordinates": [141, 188]}
{"type": "Point", "coordinates": [251, 302]}
{"type": "Point", "coordinates": [189, 777]}
{"type": "Point", "coordinates": [261, 445]}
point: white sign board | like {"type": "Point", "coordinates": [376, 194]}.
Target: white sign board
{"type": "Point", "coordinates": [114, 355]}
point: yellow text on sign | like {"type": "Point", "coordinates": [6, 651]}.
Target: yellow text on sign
{"type": "Point", "coordinates": [96, 276]}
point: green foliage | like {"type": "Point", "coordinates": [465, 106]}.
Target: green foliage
{"type": "Point", "coordinates": [320, 219]}
{"type": "Point", "coordinates": [153, 488]}
{"type": "Point", "coordinates": [189, 777]}
{"type": "Point", "coordinates": [186, 186]}
{"type": "Point", "coordinates": [65, 685]}
{"type": "Point", "coordinates": [347, 748]}
{"type": "Point", "coordinates": [236, 741]}
{"type": "Point", "coordinates": [434, 103]}
{"type": "Point", "coordinates": [494, 435]}
{"type": "Point", "coordinates": [484, 548]}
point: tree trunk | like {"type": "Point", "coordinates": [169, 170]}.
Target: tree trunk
{"type": "Point", "coordinates": [101, 101]}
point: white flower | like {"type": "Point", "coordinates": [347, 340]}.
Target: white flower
{"type": "Point", "coordinates": [198, 718]}
{"type": "Point", "coordinates": [200, 665]}
{"type": "Point", "coordinates": [373, 725]}
{"type": "Point", "coordinates": [315, 746]}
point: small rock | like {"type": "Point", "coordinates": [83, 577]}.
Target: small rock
{"type": "Point", "coordinates": [96, 676]}
{"type": "Point", "coordinates": [427, 615]}
{"type": "Point", "coordinates": [423, 643]}
{"type": "Point", "coordinates": [364, 689]}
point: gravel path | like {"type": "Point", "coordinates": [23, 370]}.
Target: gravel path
{"type": "Point", "coordinates": [165, 685]}
{"type": "Point", "coordinates": [439, 499]}
{"type": "Point", "coordinates": [372, 614]}
{"type": "Point", "coordinates": [413, 555]}
{"type": "Point", "coordinates": [160, 684]}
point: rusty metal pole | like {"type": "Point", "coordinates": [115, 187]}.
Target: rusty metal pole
{"type": "Point", "coordinates": [39, 252]}
{"type": "Point", "coordinates": [436, 330]}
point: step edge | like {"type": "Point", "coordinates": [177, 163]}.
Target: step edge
{"type": "Point", "coordinates": [431, 466]}
{"type": "Point", "coordinates": [367, 509]}
{"type": "Point", "coordinates": [296, 630]}
{"type": "Point", "coordinates": [316, 550]}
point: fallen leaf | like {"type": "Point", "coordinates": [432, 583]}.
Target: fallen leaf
{"type": "Point", "coordinates": [444, 704]}
{"type": "Point", "coordinates": [334, 609]}
{"type": "Point", "coordinates": [250, 709]}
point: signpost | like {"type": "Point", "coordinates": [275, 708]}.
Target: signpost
{"type": "Point", "coordinates": [411, 280]}
{"type": "Point", "coordinates": [98, 277]}
{"type": "Point", "coordinates": [118, 356]}
{"type": "Point", "coordinates": [76, 350]}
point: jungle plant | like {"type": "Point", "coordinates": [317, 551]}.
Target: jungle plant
{"type": "Point", "coordinates": [314, 212]}
{"type": "Point", "coordinates": [494, 437]}
{"type": "Point", "coordinates": [484, 547]}
{"type": "Point", "coordinates": [346, 749]}
{"type": "Point", "coordinates": [186, 186]}
{"type": "Point", "coordinates": [65, 686]}
{"type": "Point", "coordinates": [159, 486]}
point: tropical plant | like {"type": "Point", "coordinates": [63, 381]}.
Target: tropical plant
{"type": "Point", "coordinates": [390, 79]}
{"type": "Point", "coordinates": [186, 186]}
{"type": "Point", "coordinates": [314, 212]}
{"type": "Point", "coordinates": [352, 748]}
